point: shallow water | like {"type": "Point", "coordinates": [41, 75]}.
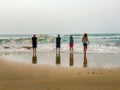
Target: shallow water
{"type": "Point", "coordinates": [67, 59]}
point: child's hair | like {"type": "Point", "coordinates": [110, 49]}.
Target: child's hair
{"type": "Point", "coordinates": [85, 35]}
{"type": "Point", "coordinates": [71, 36]}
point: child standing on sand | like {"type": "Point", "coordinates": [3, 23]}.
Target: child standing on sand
{"type": "Point", "coordinates": [85, 42]}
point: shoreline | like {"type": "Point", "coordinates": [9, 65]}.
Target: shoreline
{"type": "Point", "coordinates": [66, 59]}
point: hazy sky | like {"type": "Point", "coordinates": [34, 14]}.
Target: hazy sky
{"type": "Point", "coordinates": [59, 16]}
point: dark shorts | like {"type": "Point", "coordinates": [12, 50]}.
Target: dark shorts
{"type": "Point", "coordinates": [34, 45]}
{"type": "Point", "coordinates": [57, 46]}
{"type": "Point", "coordinates": [84, 44]}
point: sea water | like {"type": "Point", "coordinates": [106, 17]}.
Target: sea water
{"type": "Point", "coordinates": [99, 43]}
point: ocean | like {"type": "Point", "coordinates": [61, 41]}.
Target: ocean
{"type": "Point", "coordinates": [99, 43]}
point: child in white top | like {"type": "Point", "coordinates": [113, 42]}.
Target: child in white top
{"type": "Point", "coordinates": [85, 42]}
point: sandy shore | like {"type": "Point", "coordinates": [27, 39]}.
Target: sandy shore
{"type": "Point", "coordinates": [24, 76]}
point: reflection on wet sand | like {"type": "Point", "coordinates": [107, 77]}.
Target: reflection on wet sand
{"type": "Point", "coordinates": [58, 61]}
{"type": "Point", "coordinates": [34, 59]}
{"type": "Point", "coordinates": [71, 59]}
{"type": "Point", "coordinates": [85, 61]}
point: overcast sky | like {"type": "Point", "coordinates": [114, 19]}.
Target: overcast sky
{"type": "Point", "coordinates": [59, 16]}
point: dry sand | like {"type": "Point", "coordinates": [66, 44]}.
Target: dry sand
{"type": "Point", "coordinates": [23, 76]}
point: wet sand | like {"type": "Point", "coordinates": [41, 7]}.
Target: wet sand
{"type": "Point", "coordinates": [24, 76]}
{"type": "Point", "coordinates": [66, 59]}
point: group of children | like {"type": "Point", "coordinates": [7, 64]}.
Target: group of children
{"type": "Point", "coordinates": [85, 42]}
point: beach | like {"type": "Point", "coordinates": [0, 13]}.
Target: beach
{"type": "Point", "coordinates": [98, 70]}
{"type": "Point", "coordinates": [86, 34]}
{"type": "Point", "coordinates": [19, 75]}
